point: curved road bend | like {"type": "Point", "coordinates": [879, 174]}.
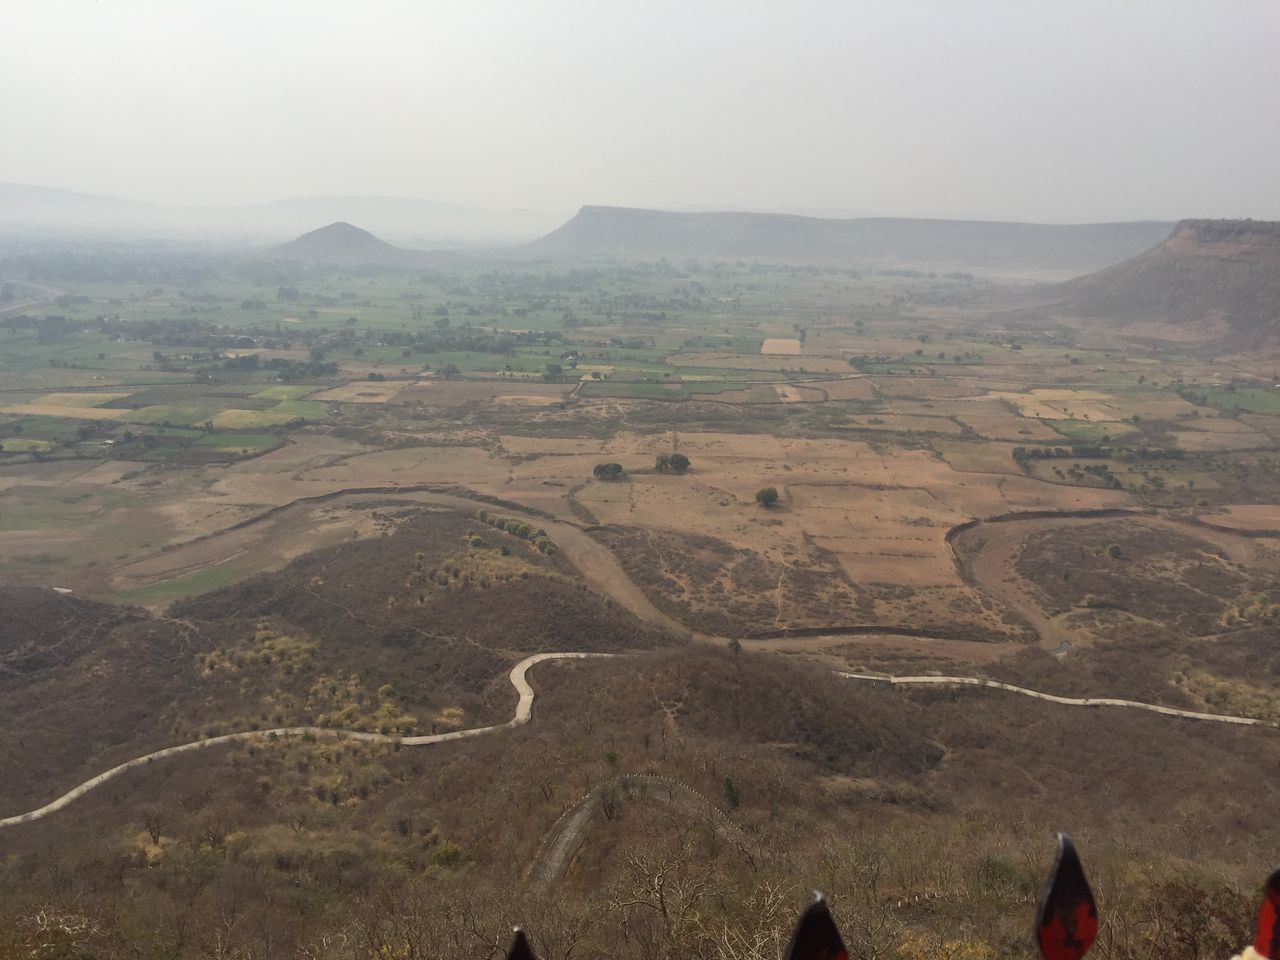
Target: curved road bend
{"type": "Point", "coordinates": [524, 710]}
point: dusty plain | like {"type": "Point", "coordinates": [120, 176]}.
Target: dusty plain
{"type": "Point", "coordinates": [888, 432]}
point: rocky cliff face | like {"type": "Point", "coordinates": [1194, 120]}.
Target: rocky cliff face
{"type": "Point", "coordinates": [1254, 234]}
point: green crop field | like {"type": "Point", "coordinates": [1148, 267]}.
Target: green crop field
{"type": "Point", "coordinates": [1247, 399]}
{"type": "Point", "coordinates": [24, 445]}
{"type": "Point", "coordinates": [201, 581]}
{"type": "Point", "coordinates": [292, 392]}
{"type": "Point", "coordinates": [248, 442]}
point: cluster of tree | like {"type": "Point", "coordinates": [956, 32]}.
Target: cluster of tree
{"type": "Point", "coordinates": [607, 471]}
{"type": "Point", "coordinates": [202, 334]}
{"type": "Point", "coordinates": [49, 328]}
{"type": "Point", "coordinates": [1099, 470]}
{"type": "Point", "coordinates": [1085, 451]}
{"type": "Point", "coordinates": [301, 369]}
{"type": "Point", "coordinates": [671, 463]}
{"type": "Point", "coordinates": [1095, 452]}
{"type": "Point", "coordinates": [465, 338]}
{"type": "Point", "coordinates": [1023, 455]}
{"type": "Point", "coordinates": [117, 266]}
{"type": "Point", "coordinates": [26, 321]}
{"type": "Point", "coordinates": [924, 275]}
{"type": "Point", "coordinates": [518, 528]}
{"type": "Point", "coordinates": [245, 362]}
{"type": "Point", "coordinates": [284, 369]}
{"type": "Point", "coordinates": [862, 362]}
{"type": "Point", "coordinates": [1228, 407]}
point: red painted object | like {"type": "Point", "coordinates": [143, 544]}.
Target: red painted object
{"type": "Point", "coordinates": [1067, 918]}
{"type": "Point", "coordinates": [1268, 941]}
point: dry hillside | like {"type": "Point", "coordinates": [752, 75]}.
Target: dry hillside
{"type": "Point", "coordinates": [1220, 275]}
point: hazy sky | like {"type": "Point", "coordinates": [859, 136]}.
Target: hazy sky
{"type": "Point", "coordinates": [1070, 110]}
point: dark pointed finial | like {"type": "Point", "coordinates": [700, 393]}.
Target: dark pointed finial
{"type": "Point", "coordinates": [520, 949]}
{"type": "Point", "coordinates": [816, 936]}
{"type": "Point", "coordinates": [1268, 940]}
{"type": "Point", "coordinates": [1067, 918]}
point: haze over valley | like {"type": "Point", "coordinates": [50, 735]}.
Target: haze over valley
{"type": "Point", "coordinates": [570, 551]}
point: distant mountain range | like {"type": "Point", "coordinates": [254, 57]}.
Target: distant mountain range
{"type": "Point", "coordinates": [27, 207]}
{"type": "Point", "coordinates": [1042, 250]}
{"type": "Point", "coordinates": [628, 233]}
{"type": "Point", "coordinates": [1220, 276]}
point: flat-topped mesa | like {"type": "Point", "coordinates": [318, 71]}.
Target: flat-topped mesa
{"type": "Point", "coordinates": [632, 233]}
{"type": "Point", "coordinates": [1251, 232]}
{"type": "Point", "coordinates": [1218, 280]}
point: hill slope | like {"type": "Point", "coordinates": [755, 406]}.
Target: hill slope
{"type": "Point", "coordinates": [631, 233]}
{"type": "Point", "coordinates": [343, 243]}
{"type": "Point", "coordinates": [1222, 275]}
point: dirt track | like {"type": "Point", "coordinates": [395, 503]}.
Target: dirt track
{"type": "Point", "coordinates": [986, 553]}
{"type": "Point", "coordinates": [557, 850]}
{"type": "Point", "coordinates": [594, 561]}
{"type": "Point", "coordinates": [991, 569]}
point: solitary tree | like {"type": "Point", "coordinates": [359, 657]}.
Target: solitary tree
{"type": "Point", "coordinates": [767, 496]}
{"type": "Point", "coordinates": [732, 798]}
{"type": "Point", "coordinates": [663, 463]}
{"type": "Point", "coordinates": [607, 471]}
{"type": "Point", "coordinates": [552, 371]}
{"type": "Point", "coordinates": [679, 463]}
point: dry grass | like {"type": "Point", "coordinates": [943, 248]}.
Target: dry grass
{"type": "Point", "coordinates": [45, 409]}
{"type": "Point", "coordinates": [781, 346]}
{"type": "Point", "coordinates": [362, 391]}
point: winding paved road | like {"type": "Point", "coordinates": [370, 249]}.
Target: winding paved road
{"type": "Point", "coordinates": [524, 710]}
{"type": "Point", "coordinates": [602, 570]}
{"type": "Point", "coordinates": [1053, 698]}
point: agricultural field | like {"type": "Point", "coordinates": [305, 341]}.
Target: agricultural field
{"type": "Point", "coordinates": [354, 499]}
{"type": "Point", "coordinates": [143, 425]}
